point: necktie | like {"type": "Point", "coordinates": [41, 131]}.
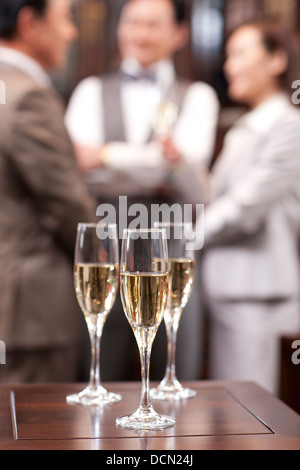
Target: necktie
{"type": "Point", "coordinates": [143, 75]}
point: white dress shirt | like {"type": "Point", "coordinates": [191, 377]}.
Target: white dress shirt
{"type": "Point", "coordinates": [26, 64]}
{"type": "Point", "coordinates": [133, 166]}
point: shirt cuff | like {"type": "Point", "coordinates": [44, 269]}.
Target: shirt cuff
{"type": "Point", "coordinates": [120, 155]}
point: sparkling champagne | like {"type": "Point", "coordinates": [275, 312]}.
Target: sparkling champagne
{"type": "Point", "coordinates": [96, 287]}
{"type": "Point", "coordinates": [182, 272]}
{"type": "Point", "coordinates": [144, 297]}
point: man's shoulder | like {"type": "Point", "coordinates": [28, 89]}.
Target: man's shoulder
{"type": "Point", "coordinates": [28, 104]}
{"type": "Point", "coordinates": [200, 94]}
{"type": "Point", "coordinates": [15, 80]}
{"type": "Point", "coordinates": [19, 87]}
{"type": "Point", "coordinates": [87, 88]}
{"type": "Point", "coordinates": [200, 87]}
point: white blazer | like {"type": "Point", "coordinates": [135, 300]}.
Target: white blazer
{"type": "Point", "coordinates": [252, 221]}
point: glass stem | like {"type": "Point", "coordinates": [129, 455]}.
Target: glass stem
{"type": "Point", "coordinates": [171, 329]}
{"type": "Point", "coordinates": [95, 327]}
{"type": "Point", "coordinates": [145, 354]}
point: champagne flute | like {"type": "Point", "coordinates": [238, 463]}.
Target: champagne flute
{"type": "Point", "coordinates": [182, 269]}
{"type": "Point", "coordinates": [96, 278]}
{"type": "Point", "coordinates": [165, 119]}
{"type": "Point", "coordinates": [144, 291]}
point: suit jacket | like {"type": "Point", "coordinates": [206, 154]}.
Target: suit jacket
{"type": "Point", "coordinates": [42, 201]}
{"type": "Point", "coordinates": [252, 220]}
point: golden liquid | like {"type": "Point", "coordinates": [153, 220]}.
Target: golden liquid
{"type": "Point", "coordinates": [96, 287]}
{"type": "Point", "coordinates": [181, 282]}
{"type": "Point", "coordinates": [144, 297]}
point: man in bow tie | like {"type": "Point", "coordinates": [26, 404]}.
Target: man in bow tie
{"type": "Point", "coordinates": [113, 122]}
{"type": "Point", "coordinates": [111, 118]}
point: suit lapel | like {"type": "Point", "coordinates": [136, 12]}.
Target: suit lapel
{"type": "Point", "coordinates": [239, 152]}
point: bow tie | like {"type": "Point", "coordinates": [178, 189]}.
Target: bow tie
{"type": "Point", "coordinates": [140, 76]}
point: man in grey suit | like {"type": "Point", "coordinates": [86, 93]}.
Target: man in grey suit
{"type": "Point", "coordinates": [42, 197]}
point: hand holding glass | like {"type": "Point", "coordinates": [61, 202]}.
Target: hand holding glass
{"type": "Point", "coordinates": [144, 290]}
{"type": "Point", "coordinates": [96, 277]}
{"type": "Point", "coordinates": [182, 268]}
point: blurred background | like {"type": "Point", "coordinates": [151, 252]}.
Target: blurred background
{"type": "Point", "coordinates": [95, 50]}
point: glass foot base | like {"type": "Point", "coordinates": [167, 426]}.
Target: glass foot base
{"type": "Point", "coordinates": [145, 420]}
{"type": "Point", "coordinates": [171, 392]}
{"type": "Point", "coordinates": [90, 397]}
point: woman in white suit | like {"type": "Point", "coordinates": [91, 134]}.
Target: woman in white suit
{"type": "Point", "coordinates": [251, 268]}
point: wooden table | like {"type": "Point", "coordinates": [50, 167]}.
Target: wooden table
{"type": "Point", "coordinates": [223, 415]}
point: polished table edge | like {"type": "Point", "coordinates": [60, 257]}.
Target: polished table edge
{"type": "Point", "coordinates": [282, 421]}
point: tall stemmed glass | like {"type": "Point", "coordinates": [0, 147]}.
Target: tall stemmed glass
{"type": "Point", "coordinates": [96, 278]}
{"type": "Point", "coordinates": [144, 291]}
{"type": "Point", "coordinates": [182, 269]}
